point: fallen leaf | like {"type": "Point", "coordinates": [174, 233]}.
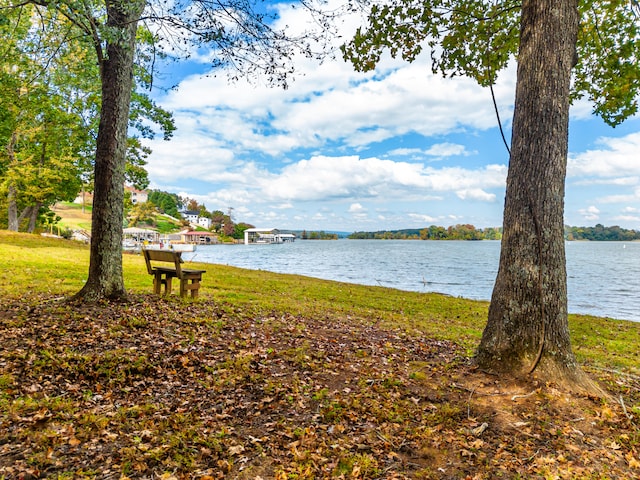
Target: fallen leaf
{"type": "Point", "coordinates": [236, 450]}
{"type": "Point", "coordinates": [480, 430]}
{"type": "Point", "coordinates": [633, 462]}
{"type": "Point", "coordinates": [74, 442]}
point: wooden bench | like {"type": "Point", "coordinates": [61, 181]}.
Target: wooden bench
{"type": "Point", "coordinates": [163, 275]}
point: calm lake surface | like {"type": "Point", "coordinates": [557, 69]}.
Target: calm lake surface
{"type": "Point", "coordinates": [603, 277]}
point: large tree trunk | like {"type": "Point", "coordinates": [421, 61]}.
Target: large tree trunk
{"type": "Point", "coordinates": [14, 220]}
{"type": "Point", "coordinates": [12, 210]}
{"type": "Point", "coordinates": [527, 328]}
{"type": "Point", "coordinates": [12, 213]}
{"type": "Point", "coordinates": [33, 217]}
{"type": "Point", "coordinates": [105, 278]}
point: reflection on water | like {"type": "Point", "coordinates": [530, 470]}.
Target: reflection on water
{"type": "Point", "coordinates": [603, 277]}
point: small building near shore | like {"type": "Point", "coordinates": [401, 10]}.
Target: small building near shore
{"type": "Point", "coordinates": [266, 236]}
{"type": "Point", "coordinates": [199, 238]}
{"type": "Point", "coordinates": [140, 235]}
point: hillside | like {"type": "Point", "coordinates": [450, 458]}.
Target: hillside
{"type": "Point", "coordinates": [72, 215]}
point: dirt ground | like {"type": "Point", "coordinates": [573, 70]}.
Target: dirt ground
{"type": "Point", "coordinates": [159, 388]}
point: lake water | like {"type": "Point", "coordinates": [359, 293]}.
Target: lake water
{"type": "Point", "coordinates": [603, 277]}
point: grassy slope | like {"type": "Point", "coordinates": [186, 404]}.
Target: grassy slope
{"type": "Point", "coordinates": [72, 215]}
{"type": "Point", "coordinates": [286, 377]}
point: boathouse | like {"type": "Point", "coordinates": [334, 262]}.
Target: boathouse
{"type": "Point", "coordinates": [199, 238]}
{"type": "Point", "coordinates": [266, 236]}
{"type": "Point", "coordinates": [140, 235]}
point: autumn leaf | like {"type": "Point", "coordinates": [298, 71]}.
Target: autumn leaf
{"type": "Point", "coordinates": [275, 395]}
{"type": "Point", "coordinates": [633, 462]}
{"type": "Point", "coordinates": [236, 450]}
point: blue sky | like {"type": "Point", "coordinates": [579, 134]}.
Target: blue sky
{"type": "Point", "coordinates": [395, 148]}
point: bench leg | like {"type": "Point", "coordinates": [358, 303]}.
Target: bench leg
{"type": "Point", "coordinates": [159, 281]}
{"type": "Point", "coordinates": [194, 286]}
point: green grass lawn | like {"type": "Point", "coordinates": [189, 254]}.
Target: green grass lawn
{"type": "Point", "coordinates": [60, 267]}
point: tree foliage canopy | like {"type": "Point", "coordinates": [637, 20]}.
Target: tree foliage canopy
{"type": "Point", "coordinates": [50, 108]}
{"type": "Point", "coordinates": [478, 38]}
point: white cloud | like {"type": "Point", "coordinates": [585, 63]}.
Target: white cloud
{"type": "Point", "coordinates": [422, 217]}
{"type": "Point", "coordinates": [436, 150]}
{"type": "Point", "coordinates": [331, 180]}
{"type": "Point", "coordinates": [581, 109]}
{"type": "Point", "coordinates": [357, 208]}
{"type": "Point", "coordinates": [590, 213]}
{"type": "Point", "coordinates": [324, 177]}
{"type": "Point", "coordinates": [192, 157]}
{"type": "Point", "coordinates": [284, 206]}
{"type": "Point", "coordinates": [332, 102]}
{"type": "Point", "coordinates": [476, 194]}
{"type": "Point", "coordinates": [620, 181]}
{"type": "Point", "coordinates": [627, 218]}
{"type": "Point", "coordinates": [446, 150]}
{"type": "Point", "coordinates": [405, 152]}
{"type": "Point", "coordinates": [622, 198]}
{"type": "Point", "coordinates": [618, 157]}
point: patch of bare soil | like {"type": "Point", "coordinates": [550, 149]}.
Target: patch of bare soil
{"type": "Point", "coordinates": [72, 216]}
{"type": "Point", "coordinates": [165, 389]}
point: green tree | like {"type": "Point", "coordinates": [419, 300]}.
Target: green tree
{"type": "Point", "coordinates": [437, 233]}
{"type": "Point", "coordinates": [527, 327]}
{"type": "Point", "coordinates": [39, 132]}
{"type": "Point", "coordinates": [203, 212]}
{"type": "Point", "coordinates": [240, 37]}
{"type": "Point", "coordinates": [52, 111]}
{"type": "Point", "coordinates": [165, 202]}
{"type": "Point", "coordinates": [141, 212]}
{"type": "Point", "coordinates": [239, 228]}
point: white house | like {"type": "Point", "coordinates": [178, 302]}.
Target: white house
{"type": "Point", "coordinates": [192, 216]}
{"type": "Point", "coordinates": [204, 222]}
{"type": "Point", "coordinates": [137, 196]}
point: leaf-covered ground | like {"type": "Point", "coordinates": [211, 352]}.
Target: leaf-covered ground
{"type": "Point", "coordinates": [159, 388]}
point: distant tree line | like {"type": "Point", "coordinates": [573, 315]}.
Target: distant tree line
{"type": "Point", "coordinates": [601, 233]}
{"type": "Point", "coordinates": [434, 232]}
{"type": "Point", "coordinates": [469, 232]}
{"type": "Point", "coordinates": [321, 235]}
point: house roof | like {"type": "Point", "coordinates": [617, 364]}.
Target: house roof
{"type": "Point", "coordinates": [261, 230]}
{"type": "Point", "coordinates": [135, 230]}
{"type": "Point", "coordinates": [134, 190]}
{"type": "Point", "coordinates": [193, 232]}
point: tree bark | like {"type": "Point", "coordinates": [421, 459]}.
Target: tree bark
{"type": "Point", "coordinates": [105, 280]}
{"type": "Point", "coordinates": [527, 326]}
{"type": "Point", "coordinates": [12, 210]}
{"type": "Point", "coordinates": [33, 217]}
